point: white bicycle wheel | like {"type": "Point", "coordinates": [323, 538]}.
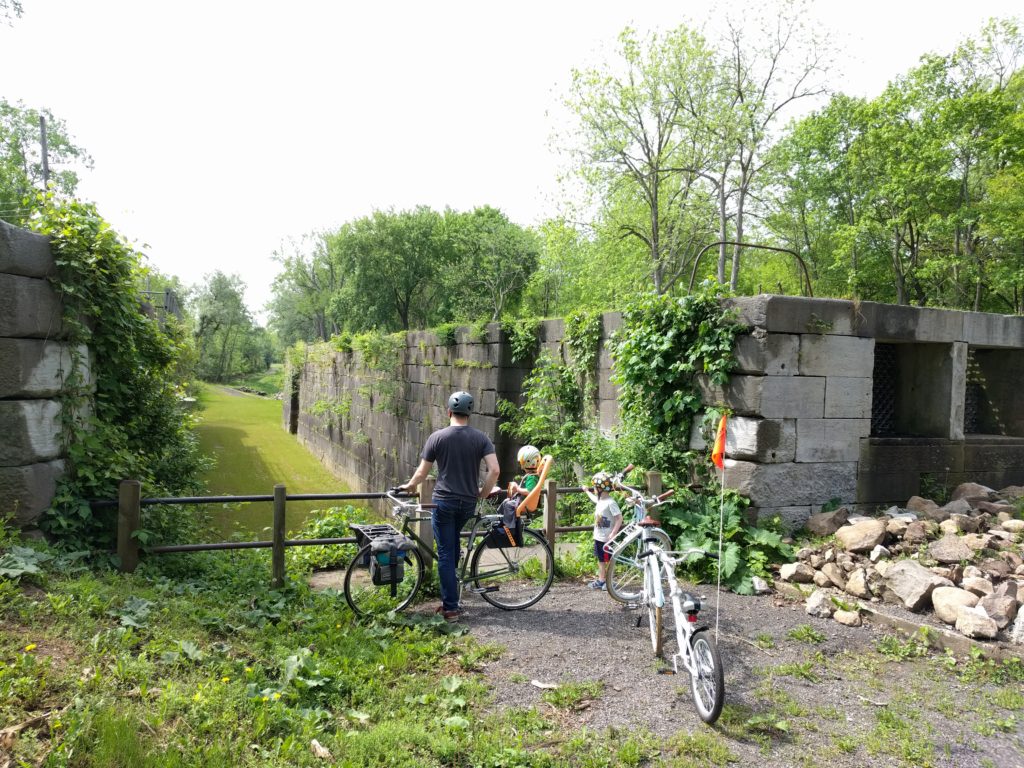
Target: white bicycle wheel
{"type": "Point", "coordinates": [626, 570]}
{"type": "Point", "coordinates": [654, 611]}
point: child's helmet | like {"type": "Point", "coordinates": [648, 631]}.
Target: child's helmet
{"type": "Point", "coordinates": [529, 457]}
{"type": "Point", "coordinates": [602, 481]}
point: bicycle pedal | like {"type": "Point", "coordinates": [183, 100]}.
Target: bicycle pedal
{"type": "Point", "coordinates": [483, 590]}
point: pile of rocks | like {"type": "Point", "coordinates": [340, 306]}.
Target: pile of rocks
{"type": "Point", "coordinates": [962, 560]}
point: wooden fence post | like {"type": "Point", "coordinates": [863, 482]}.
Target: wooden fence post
{"type": "Point", "coordinates": [551, 513]}
{"type": "Point", "coordinates": [129, 515]}
{"type": "Point", "coordinates": [277, 551]}
{"type": "Point", "coordinates": [423, 528]}
{"type": "Point", "coordinates": [653, 489]}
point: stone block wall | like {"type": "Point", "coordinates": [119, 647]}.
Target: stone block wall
{"type": "Point", "coordinates": [33, 360]}
{"type": "Point", "coordinates": [804, 430]}
{"type": "Point", "coordinates": [369, 426]}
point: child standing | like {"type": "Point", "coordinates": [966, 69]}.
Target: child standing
{"type": "Point", "coordinates": [607, 521]}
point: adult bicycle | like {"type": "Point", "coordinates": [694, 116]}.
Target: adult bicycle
{"type": "Point", "coordinates": [509, 567]}
{"type": "Point", "coordinates": [696, 649]}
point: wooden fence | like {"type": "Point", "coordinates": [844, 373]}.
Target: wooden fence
{"type": "Point", "coordinates": [130, 502]}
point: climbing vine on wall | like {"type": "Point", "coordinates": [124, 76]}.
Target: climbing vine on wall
{"type": "Point", "coordinates": [133, 426]}
{"type": "Point", "coordinates": [583, 337]}
{"type": "Point", "coordinates": [664, 345]}
{"type": "Point", "coordinates": [522, 337]}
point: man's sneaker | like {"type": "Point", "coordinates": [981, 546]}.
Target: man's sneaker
{"type": "Point", "coordinates": [452, 615]}
{"type": "Point", "coordinates": [596, 584]}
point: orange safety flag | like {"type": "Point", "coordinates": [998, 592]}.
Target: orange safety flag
{"type": "Point", "coordinates": [718, 452]}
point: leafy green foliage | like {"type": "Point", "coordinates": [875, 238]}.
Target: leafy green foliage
{"type": "Point", "coordinates": [331, 523]}
{"type": "Point", "coordinates": [747, 549]}
{"type": "Point", "coordinates": [522, 337]}
{"type": "Point", "coordinates": [664, 346]}
{"type": "Point", "coordinates": [134, 426]}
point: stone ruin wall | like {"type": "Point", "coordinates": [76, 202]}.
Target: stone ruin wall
{"type": "Point", "coordinates": [33, 360]}
{"type": "Point", "coordinates": [375, 442]}
{"type": "Point", "coordinates": [805, 430]}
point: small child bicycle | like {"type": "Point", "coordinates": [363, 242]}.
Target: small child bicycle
{"type": "Point", "coordinates": [697, 650]}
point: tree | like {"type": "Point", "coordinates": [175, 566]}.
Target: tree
{"type": "Point", "coordinates": [9, 9]}
{"type": "Point", "coordinates": [222, 322]}
{"type": "Point", "coordinates": [303, 294]}
{"type": "Point", "coordinates": [760, 81]}
{"type": "Point", "coordinates": [21, 166]}
{"type": "Point", "coordinates": [638, 143]}
{"type": "Point", "coordinates": [493, 260]}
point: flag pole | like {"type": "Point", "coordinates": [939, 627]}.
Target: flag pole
{"type": "Point", "coordinates": [718, 459]}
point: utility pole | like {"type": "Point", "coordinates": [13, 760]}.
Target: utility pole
{"type": "Point", "coordinates": [46, 163]}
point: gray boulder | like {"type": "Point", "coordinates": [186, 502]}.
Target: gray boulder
{"type": "Point", "coordinates": [827, 523]}
{"type": "Point", "coordinates": [912, 584]}
{"type": "Point", "coordinates": [950, 549]}
{"type": "Point", "coordinates": [863, 536]}
{"type": "Point", "coordinates": [948, 600]}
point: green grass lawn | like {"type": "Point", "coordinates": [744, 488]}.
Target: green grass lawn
{"type": "Point", "coordinates": [269, 381]}
{"type": "Point", "coordinates": [253, 453]}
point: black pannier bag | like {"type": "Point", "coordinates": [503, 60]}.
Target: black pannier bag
{"type": "Point", "coordinates": [502, 535]}
{"type": "Point", "coordinates": [387, 559]}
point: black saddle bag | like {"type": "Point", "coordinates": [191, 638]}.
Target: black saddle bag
{"type": "Point", "coordinates": [502, 535]}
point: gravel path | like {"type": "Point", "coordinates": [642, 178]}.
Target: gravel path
{"type": "Point", "coordinates": [832, 705]}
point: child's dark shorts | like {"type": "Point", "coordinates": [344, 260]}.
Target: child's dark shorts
{"type": "Point", "coordinates": [599, 553]}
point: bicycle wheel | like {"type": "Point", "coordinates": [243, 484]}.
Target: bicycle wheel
{"type": "Point", "coordinates": [368, 599]}
{"type": "Point", "coordinates": [512, 578]}
{"type": "Point", "coordinates": [654, 611]}
{"type": "Point", "coordinates": [707, 683]}
{"type": "Point", "coordinates": [626, 572]}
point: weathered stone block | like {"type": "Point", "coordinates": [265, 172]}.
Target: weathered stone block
{"type": "Point", "coordinates": [606, 390]}
{"type": "Point", "coordinates": [820, 440]}
{"type": "Point", "coordinates": [790, 518]}
{"type": "Point", "coordinates": [488, 402]}
{"type": "Point", "coordinates": [773, 354]}
{"type": "Point", "coordinates": [836, 355]}
{"type": "Point", "coordinates": [785, 485]}
{"type": "Point", "coordinates": [891, 322]}
{"type": "Point", "coordinates": [608, 414]}
{"type": "Point", "coordinates": [773, 397]}
{"type": "Point", "coordinates": [847, 397]}
{"type": "Point", "coordinates": [768, 441]}
{"type": "Point", "coordinates": [911, 454]}
{"type": "Point", "coordinates": [551, 330]}
{"type": "Point", "coordinates": [30, 309]}
{"type": "Point", "coordinates": [989, 330]}
{"type": "Point", "coordinates": [26, 492]}
{"type": "Point", "coordinates": [793, 314]}
{"type": "Point", "coordinates": [31, 430]}
{"type": "Point", "coordinates": [24, 253]}
{"type": "Point", "coordinates": [37, 368]}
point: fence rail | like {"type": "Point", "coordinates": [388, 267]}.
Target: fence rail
{"type": "Point", "coordinates": [129, 504]}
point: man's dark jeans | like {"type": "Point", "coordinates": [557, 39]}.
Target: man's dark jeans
{"type": "Point", "coordinates": [447, 520]}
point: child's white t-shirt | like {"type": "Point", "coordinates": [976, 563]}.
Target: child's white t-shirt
{"type": "Point", "coordinates": [605, 514]}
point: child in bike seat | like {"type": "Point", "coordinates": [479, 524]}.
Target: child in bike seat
{"type": "Point", "coordinates": [529, 461]}
{"type": "Point", "coordinates": [607, 521]}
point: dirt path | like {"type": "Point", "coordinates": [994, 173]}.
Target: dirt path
{"type": "Point", "coordinates": [841, 702]}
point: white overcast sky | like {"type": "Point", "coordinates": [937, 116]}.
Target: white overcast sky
{"type": "Point", "coordinates": [221, 128]}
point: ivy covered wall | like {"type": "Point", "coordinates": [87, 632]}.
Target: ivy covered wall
{"type": "Point", "coordinates": [365, 412]}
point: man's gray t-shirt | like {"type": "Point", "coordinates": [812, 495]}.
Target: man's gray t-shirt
{"type": "Point", "coordinates": [458, 451]}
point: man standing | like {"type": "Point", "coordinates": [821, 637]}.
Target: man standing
{"type": "Point", "coordinates": [458, 450]}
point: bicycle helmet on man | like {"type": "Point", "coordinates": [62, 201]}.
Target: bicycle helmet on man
{"type": "Point", "coordinates": [460, 403]}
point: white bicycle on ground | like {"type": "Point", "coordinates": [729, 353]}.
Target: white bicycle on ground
{"type": "Point", "coordinates": [696, 649]}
